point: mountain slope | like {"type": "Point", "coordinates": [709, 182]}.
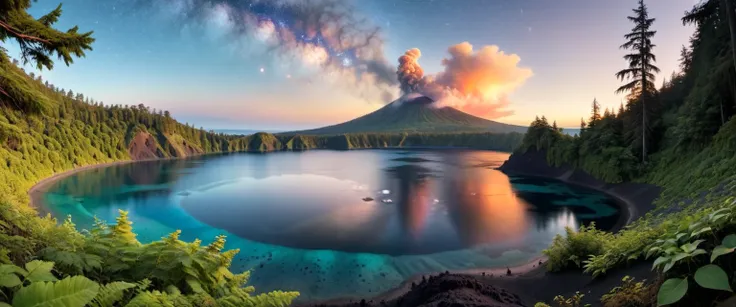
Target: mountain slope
{"type": "Point", "coordinates": [418, 115]}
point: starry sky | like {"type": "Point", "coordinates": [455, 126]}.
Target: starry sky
{"type": "Point", "coordinates": [256, 64]}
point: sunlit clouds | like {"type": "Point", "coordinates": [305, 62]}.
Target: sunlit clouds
{"type": "Point", "coordinates": [477, 82]}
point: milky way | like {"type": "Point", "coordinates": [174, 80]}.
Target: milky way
{"type": "Point", "coordinates": [323, 33]}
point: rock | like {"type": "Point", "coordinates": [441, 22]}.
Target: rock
{"type": "Point", "coordinates": [458, 290]}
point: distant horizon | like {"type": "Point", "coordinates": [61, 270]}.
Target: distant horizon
{"type": "Point", "coordinates": [527, 50]}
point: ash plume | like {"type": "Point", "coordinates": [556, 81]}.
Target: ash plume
{"type": "Point", "coordinates": [477, 82]}
{"type": "Point", "coordinates": [410, 73]}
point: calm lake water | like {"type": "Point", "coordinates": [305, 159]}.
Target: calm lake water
{"type": "Point", "coordinates": [306, 221]}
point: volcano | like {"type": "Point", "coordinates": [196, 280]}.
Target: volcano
{"type": "Point", "coordinates": [415, 115]}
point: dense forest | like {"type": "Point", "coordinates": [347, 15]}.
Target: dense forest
{"type": "Point", "coordinates": [680, 136]}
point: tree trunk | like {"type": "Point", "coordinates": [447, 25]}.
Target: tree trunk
{"type": "Point", "coordinates": [723, 118]}
{"type": "Point", "coordinates": [730, 11]}
{"type": "Point", "coordinates": [643, 98]}
{"type": "Point", "coordinates": [731, 16]}
{"type": "Point", "coordinates": [643, 129]}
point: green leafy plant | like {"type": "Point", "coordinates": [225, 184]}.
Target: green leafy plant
{"type": "Point", "coordinates": [36, 285]}
{"type": "Point", "coordinates": [574, 301]}
{"type": "Point", "coordinates": [685, 249]}
{"type": "Point", "coordinates": [560, 301]}
{"type": "Point", "coordinates": [167, 272]}
{"type": "Point", "coordinates": [630, 294]}
{"type": "Point", "coordinates": [572, 249]}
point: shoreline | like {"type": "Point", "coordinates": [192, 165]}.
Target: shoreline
{"type": "Point", "coordinates": [37, 191]}
{"type": "Point", "coordinates": [533, 267]}
{"type": "Point", "coordinates": [530, 268]}
{"type": "Point", "coordinates": [627, 207]}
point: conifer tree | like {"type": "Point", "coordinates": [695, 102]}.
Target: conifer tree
{"type": "Point", "coordinates": [38, 42]}
{"type": "Point", "coordinates": [640, 73]}
{"type": "Point", "coordinates": [595, 115]}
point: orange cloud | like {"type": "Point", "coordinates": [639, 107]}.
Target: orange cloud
{"type": "Point", "coordinates": [476, 82]}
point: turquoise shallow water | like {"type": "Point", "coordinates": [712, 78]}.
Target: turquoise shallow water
{"type": "Point", "coordinates": [303, 221]}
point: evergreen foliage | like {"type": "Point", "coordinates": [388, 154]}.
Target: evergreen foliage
{"type": "Point", "coordinates": [690, 138]}
{"type": "Point", "coordinates": [640, 73]}
{"type": "Point", "coordinates": [38, 42]}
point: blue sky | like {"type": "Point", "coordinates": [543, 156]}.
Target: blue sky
{"type": "Point", "coordinates": [209, 78]}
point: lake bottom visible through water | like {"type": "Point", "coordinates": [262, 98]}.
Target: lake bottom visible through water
{"type": "Point", "coordinates": [335, 224]}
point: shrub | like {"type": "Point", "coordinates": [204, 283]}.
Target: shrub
{"type": "Point", "coordinates": [572, 249]}
{"type": "Point", "coordinates": [630, 294]}
{"type": "Point", "coordinates": [119, 269]}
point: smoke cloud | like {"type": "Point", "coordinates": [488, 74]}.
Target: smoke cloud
{"type": "Point", "coordinates": [476, 82]}
{"type": "Point", "coordinates": [410, 73]}
{"type": "Point", "coordinates": [326, 35]}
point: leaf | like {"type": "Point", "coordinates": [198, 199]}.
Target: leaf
{"type": "Point", "coordinates": [729, 241]}
{"type": "Point", "coordinates": [9, 275]}
{"type": "Point", "coordinates": [668, 266]}
{"type": "Point", "coordinates": [40, 271]}
{"type": "Point", "coordinates": [2, 304]}
{"type": "Point", "coordinates": [659, 261]}
{"type": "Point", "coordinates": [671, 291]}
{"type": "Point", "coordinates": [195, 285]}
{"type": "Point", "coordinates": [719, 251]}
{"type": "Point", "coordinates": [679, 257]}
{"type": "Point", "coordinates": [680, 235]}
{"type": "Point", "coordinates": [75, 291]}
{"type": "Point", "coordinates": [700, 231]}
{"type": "Point", "coordinates": [9, 268]}
{"type": "Point", "coordinates": [718, 217]}
{"type": "Point", "coordinates": [171, 289]}
{"type": "Point", "coordinates": [690, 247]}
{"type": "Point", "coordinates": [698, 251]}
{"type": "Point", "coordinates": [712, 276]}
{"type": "Point", "coordinates": [9, 280]}
{"type": "Point", "coordinates": [111, 293]}
{"type": "Point", "coordinates": [652, 251]}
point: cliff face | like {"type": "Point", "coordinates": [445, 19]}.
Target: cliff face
{"type": "Point", "coordinates": [144, 146]}
{"type": "Point", "coordinates": [639, 197]}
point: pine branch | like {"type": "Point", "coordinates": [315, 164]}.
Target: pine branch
{"type": "Point", "coordinates": [15, 32]}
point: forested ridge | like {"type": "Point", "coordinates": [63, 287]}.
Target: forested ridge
{"type": "Point", "coordinates": [680, 136]}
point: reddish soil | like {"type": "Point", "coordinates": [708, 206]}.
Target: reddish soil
{"type": "Point", "coordinates": [144, 147]}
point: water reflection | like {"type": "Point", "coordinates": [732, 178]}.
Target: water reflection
{"type": "Point", "coordinates": [413, 189]}
{"type": "Point", "coordinates": [486, 208]}
{"type": "Point", "coordinates": [440, 201]}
